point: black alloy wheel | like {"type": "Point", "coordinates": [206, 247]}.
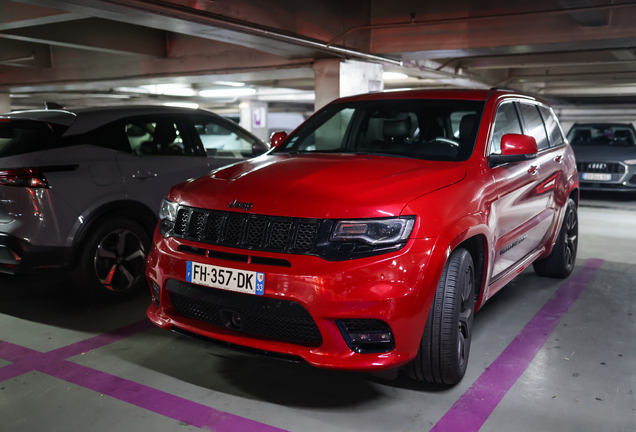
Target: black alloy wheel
{"type": "Point", "coordinates": [119, 260]}
{"type": "Point", "coordinates": [112, 262]}
{"type": "Point", "coordinates": [445, 346]}
{"type": "Point", "coordinates": [560, 262]}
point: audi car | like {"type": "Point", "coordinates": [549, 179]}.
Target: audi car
{"type": "Point", "coordinates": [367, 239]}
{"type": "Point", "coordinates": [605, 155]}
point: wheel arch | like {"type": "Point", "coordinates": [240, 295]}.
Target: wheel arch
{"type": "Point", "coordinates": [471, 233]}
{"type": "Point", "coordinates": [476, 246]}
{"type": "Point", "coordinates": [130, 209]}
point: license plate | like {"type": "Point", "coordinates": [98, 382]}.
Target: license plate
{"type": "Point", "coordinates": [597, 176]}
{"type": "Point", "coordinates": [229, 279]}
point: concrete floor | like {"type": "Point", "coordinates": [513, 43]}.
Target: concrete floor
{"type": "Point", "coordinates": [580, 375]}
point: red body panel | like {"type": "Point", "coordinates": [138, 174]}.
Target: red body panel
{"type": "Point", "coordinates": [453, 202]}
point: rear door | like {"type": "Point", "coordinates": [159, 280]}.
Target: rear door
{"type": "Point", "coordinates": [162, 155]}
{"type": "Point", "coordinates": [519, 216]}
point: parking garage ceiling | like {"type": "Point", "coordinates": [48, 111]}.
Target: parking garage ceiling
{"type": "Point", "coordinates": [81, 52]}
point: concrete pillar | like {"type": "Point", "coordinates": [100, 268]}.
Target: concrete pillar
{"type": "Point", "coordinates": [339, 78]}
{"type": "Point", "coordinates": [5, 103]}
{"type": "Point", "coordinates": [254, 118]}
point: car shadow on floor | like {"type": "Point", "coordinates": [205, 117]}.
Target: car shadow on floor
{"type": "Point", "coordinates": [49, 299]}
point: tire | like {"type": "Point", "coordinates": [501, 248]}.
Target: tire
{"type": "Point", "coordinates": [560, 262]}
{"type": "Point", "coordinates": [443, 354]}
{"type": "Point", "coordinates": [111, 264]}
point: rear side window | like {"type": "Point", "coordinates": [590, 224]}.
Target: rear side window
{"type": "Point", "coordinates": [157, 136]}
{"type": "Point", "coordinates": [506, 122]}
{"type": "Point", "coordinates": [534, 125]}
{"type": "Point", "coordinates": [21, 137]}
{"type": "Point", "coordinates": [552, 126]}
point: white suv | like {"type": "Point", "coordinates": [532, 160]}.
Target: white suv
{"type": "Point", "coordinates": [81, 189]}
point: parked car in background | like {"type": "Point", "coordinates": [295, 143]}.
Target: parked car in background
{"type": "Point", "coordinates": [367, 238]}
{"type": "Point", "coordinates": [605, 155]}
{"type": "Point", "coordinates": [81, 189]}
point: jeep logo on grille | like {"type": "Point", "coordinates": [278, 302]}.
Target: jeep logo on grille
{"type": "Point", "coordinates": [240, 205]}
{"type": "Point", "coordinates": [597, 166]}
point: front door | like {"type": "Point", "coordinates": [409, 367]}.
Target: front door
{"type": "Point", "coordinates": [520, 217]}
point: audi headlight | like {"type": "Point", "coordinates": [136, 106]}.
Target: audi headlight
{"type": "Point", "coordinates": [167, 216]}
{"type": "Point", "coordinates": [630, 162]}
{"type": "Point", "coordinates": [374, 231]}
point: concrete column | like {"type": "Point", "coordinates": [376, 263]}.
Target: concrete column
{"type": "Point", "coordinates": [5, 103]}
{"type": "Point", "coordinates": [339, 78]}
{"type": "Point", "coordinates": [254, 118]}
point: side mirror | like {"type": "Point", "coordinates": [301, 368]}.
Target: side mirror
{"type": "Point", "coordinates": [277, 138]}
{"type": "Point", "coordinates": [515, 148]}
{"type": "Point", "coordinates": [259, 147]}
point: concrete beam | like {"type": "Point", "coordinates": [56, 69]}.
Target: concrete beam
{"type": "Point", "coordinates": [73, 67]}
{"type": "Point", "coordinates": [16, 15]}
{"type": "Point", "coordinates": [248, 23]}
{"type": "Point", "coordinates": [24, 54]}
{"type": "Point", "coordinates": [546, 60]}
{"type": "Point", "coordinates": [96, 34]}
{"type": "Point", "coordinates": [515, 31]}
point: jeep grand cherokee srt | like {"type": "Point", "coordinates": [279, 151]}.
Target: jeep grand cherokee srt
{"type": "Point", "coordinates": [367, 238]}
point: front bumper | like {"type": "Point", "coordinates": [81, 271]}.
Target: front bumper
{"type": "Point", "coordinates": [391, 287]}
{"type": "Point", "coordinates": [18, 256]}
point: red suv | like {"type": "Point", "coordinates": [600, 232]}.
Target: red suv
{"type": "Point", "coordinates": [368, 237]}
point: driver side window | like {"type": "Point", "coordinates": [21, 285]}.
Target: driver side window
{"type": "Point", "coordinates": [506, 121]}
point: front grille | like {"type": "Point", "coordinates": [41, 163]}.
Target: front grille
{"type": "Point", "coordinates": [299, 329]}
{"type": "Point", "coordinates": [601, 167]}
{"type": "Point", "coordinates": [257, 232]}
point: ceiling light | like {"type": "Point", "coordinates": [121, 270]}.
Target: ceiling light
{"type": "Point", "coordinates": [105, 95]}
{"type": "Point", "coordinates": [230, 83]}
{"type": "Point", "coordinates": [182, 105]}
{"type": "Point", "coordinates": [397, 90]}
{"type": "Point", "coordinates": [170, 89]}
{"type": "Point", "coordinates": [393, 75]}
{"type": "Point", "coordinates": [227, 93]}
{"type": "Point", "coordinates": [132, 90]}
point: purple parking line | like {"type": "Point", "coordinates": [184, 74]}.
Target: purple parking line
{"type": "Point", "coordinates": [471, 410]}
{"type": "Point", "coordinates": [53, 363]}
{"type": "Point", "coordinates": [154, 400]}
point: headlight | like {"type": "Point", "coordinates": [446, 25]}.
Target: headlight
{"type": "Point", "coordinates": [167, 216]}
{"type": "Point", "coordinates": [374, 231]}
{"type": "Point", "coordinates": [630, 162]}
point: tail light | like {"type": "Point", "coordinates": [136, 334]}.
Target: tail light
{"type": "Point", "coordinates": [24, 177]}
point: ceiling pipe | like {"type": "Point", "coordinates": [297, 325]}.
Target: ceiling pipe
{"type": "Point", "coordinates": [414, 23]}
{"type": "Point", "coordinates": [208, 18]}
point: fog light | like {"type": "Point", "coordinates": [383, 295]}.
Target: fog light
{"type": "Point", "coordinates": [366, 335]}
{"type": "Point", "coordinates": [371, 337]}
{"type": "Point", "coordinates": [155, 293]}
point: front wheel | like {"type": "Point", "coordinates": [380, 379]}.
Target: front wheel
{"type": "Point", "coordinates": [443, 354]}
{"type": "Point", "coordinates": [112, 263]}
{"type": "Point", "coordinates": [560, 262]}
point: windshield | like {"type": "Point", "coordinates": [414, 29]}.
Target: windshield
{"type": "Point", "coordinates": [418, 128]}
{"type": "Point", "coordinates": [602, 134]}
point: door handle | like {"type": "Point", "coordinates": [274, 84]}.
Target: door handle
{"type": "Point", "coordinates": [558, 159]}
{"type": "Point", "coordinates": [533, 169]}
{"type": "Point", "coordinates": [143, 175]}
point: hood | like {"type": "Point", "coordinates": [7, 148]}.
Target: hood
{"type": "Point", "coordinates": [319, 185]}
{"type": "Point", "coordinates": [603, 153]}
